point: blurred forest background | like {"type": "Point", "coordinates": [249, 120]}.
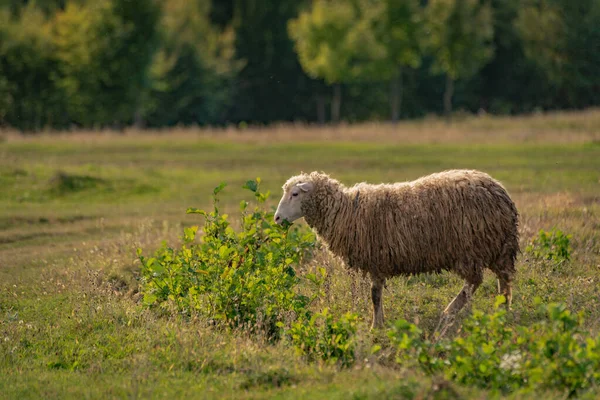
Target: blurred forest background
{"type": "Point", "coordinates": [158, 63]}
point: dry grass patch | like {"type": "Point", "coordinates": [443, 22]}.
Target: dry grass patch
{"type": "Point", "coordinates": [555, 127]}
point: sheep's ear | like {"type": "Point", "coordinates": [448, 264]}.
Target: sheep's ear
{"type": "Point", "coordinates": [305, 186]}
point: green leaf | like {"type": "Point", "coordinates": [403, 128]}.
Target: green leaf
{"type": "Point", "coordinates": [499, 301]}
{"type": "Point", "coordinates": [155, 266]}
{"type": "Point", "coordinates": [488, 348]}
{"type": "Point", "coordinates": [219, 188]}
{"type": "Point", "coordinates": [150, 298]}
{"type": "Point", "coordinates": [224, 251]}
{"type": "Point", "coordinates": [192, 210]}
{"type": "Point", "coordinates": [189, 234]}
{"type": "Point", "coordinates": [251, 185]}
{"type": "Point", "coordinates": [375, 349]}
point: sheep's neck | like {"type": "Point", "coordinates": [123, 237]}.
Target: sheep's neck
{"type": "Point", "coordinates": [325, 213]}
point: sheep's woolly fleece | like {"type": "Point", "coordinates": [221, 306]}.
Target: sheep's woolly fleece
{"type": "Point", "coordinates": [457, 220]}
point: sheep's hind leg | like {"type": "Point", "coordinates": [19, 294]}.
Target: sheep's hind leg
{"type": "Point", "coordinates": [505, 289]}
{"type": "Point", "coordinates": [449, 314]}
{"type": "Point", "coordinates": [376, 297]}
{"type": "Point", "coordinates": [504, 268]}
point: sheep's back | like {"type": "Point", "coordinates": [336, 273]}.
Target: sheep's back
{"type": "Point", "coordinates": [456, 220]}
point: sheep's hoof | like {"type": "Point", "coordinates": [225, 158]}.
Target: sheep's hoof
{"type": "Point", "coordinates": [443, 325]}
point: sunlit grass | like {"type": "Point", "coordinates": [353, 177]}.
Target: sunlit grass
{"type": "Point", "coordinates": [70, 320]}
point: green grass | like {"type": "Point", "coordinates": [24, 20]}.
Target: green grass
{"type": "Point", "coordinates": [73, 209]}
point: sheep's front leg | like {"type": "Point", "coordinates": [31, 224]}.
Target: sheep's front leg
{"type": "Point", "coordinates": [376, 297]}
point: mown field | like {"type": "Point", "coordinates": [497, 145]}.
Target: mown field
{"type": "Point", "coordinates": [75, 207]}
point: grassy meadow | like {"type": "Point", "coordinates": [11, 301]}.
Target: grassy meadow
{"type": "Point", "coordinates": [74, 207]}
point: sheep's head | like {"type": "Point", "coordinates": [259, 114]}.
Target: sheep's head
{"type": "Point", "coordinates": [290, 206]}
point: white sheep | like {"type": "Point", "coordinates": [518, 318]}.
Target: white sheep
{"type": "Point", "coordinates": [460, 220]}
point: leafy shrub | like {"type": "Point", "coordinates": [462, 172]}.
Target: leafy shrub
{"type": "Point", "coordinates": [552, 354]}
{"type": "Point", "coordinates": [246, 279]}
{"type": "Point", "coordinates": [322, 337]}
{"type": "Point", "coordinates": [553, 245]}
{"type": "Point", "coordinates": [239, 278]}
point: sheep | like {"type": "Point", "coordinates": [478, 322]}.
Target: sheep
{"type": "Point", "coordinates": [457, 220]}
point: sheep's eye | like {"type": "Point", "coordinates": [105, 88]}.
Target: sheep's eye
{"type": "Point", "coordinates": [294, 194]}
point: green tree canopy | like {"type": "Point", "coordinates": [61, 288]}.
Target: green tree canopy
{"type": "Point", "coordinates": [68, 63]}
{"type": "Point", "coordinates": [398, 26]}
{"type": "Point", "coordinates": [29, 97]}
{"type": "Point", "coordinates": [272, 85]}
{"type": "Point", "coordinates": [104, 49]}
{"type": "Point", "coordinates": [544, 37]}
{"type": "Point", "coordinates": [192, 73]}
{"type": "Point", "coordinates": [459, 36]}
{"type": "Point", "coordinates": [335, 42]}
{"type": "Point", "coordinates": [561, 38]}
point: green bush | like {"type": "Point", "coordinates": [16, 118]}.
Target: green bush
{"type": "Point", "coordinates": [554, 354]}
{"type": "Point", "coordinates": [239, 278]}
{"type": "Point", "coordinates": [553, 245]}
{"type": "Point", "coordinates": [246, 279]}
{"type": "Point", "coordinates": [322, 337]}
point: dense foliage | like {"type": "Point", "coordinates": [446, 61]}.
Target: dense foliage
{"type": "Point", "coordinates": [161, 63]}
{"type": "Point", "coordinates": [554, 245]}
{"type": "Point", "coordinates": [247, 280]}
{"type": "Point", "coordinates": [241, 279]}
{"type": "Point", "coordinates": [323, 337]}
{"type": "Point", "coordinates": [553, 354]}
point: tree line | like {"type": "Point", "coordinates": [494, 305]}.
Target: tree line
{"type": "Point", "coordinates": [114, 63]}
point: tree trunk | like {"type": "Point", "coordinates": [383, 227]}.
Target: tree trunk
{"type": "Point", "coordinates": [336, 103]}
{"type": "Point", "coordinates": [321, 109]}
{"type": "Point", "coordinates": [138, 120]}
{"type": "Point", "coordinates": [448, 97]}
{"type": "Point", "coordinates": [396, 96]}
